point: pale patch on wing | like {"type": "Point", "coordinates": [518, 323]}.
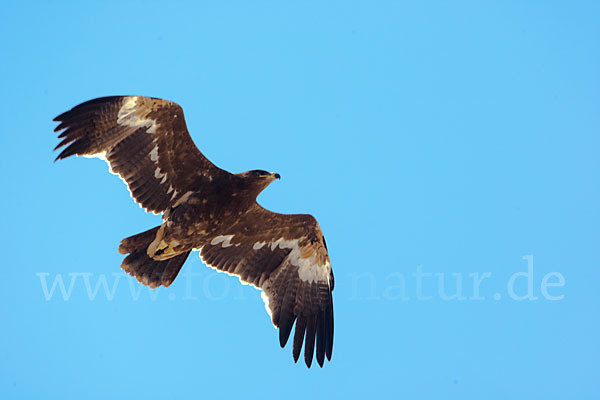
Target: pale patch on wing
{"type": "Point", "coordinates": [182, 199]}
{"type": "Point", "coordinates": [276, 243]}
{"type": "Point", "coordinates": [309, 269]}
{"type": "Point", "coordinates": [258, 245]}
{"type": "Point", "coordinates": [225, 239]}
{"type": "Point", "coordinates": [128, 116]}
{"type": "Point", "coordinates": [154, 153]}
{"type": "Point", "coordinates": [158, 174]}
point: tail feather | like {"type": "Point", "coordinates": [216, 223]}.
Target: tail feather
{"type": "Point", "coordinates": [146, 270]}
{"type": "Point", "coordinates": [136, 242]}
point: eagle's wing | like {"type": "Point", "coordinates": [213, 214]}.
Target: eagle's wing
{"type": "Point", "coordinates": [145, 140]}
{"type": "Point", "coordinates": [286, 257]}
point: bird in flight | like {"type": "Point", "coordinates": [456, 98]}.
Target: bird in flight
{"type": "Point", "coordinates": [146, 142]}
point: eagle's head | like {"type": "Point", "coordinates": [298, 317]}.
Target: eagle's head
{"type": "Point", "coordinates": [257, 180]}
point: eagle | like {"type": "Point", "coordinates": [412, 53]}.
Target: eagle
{"type": "Point", "coordinates": [146, 142]}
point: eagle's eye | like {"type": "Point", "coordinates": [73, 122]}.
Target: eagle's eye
{"type": "Point", "coordinates": [262, 174]}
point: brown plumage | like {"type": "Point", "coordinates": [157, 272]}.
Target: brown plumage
{"type": "Point", "coordinates": [145, 140]}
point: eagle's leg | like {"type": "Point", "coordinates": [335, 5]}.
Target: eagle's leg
{"type": "Point", "coordinates": [163, 251]}
{"type": "Point", "coordinates": [162, 247]}
{"type": "Point", "coordinates": [158, 244]}
{"type": "Point", "coordinates": [146, 269]}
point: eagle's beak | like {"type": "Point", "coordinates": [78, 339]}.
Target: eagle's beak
{"type": "Point", "coordinates": [276, 176]}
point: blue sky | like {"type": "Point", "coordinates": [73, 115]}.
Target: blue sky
{"type": "Point", "coordinates": [437, 143]}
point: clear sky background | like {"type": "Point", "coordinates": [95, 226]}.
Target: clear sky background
{"type": "Point", "coordinates": [435, 142]}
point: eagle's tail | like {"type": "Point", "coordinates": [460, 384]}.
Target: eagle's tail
{"type": "Point", "coordinates": [146, 270]}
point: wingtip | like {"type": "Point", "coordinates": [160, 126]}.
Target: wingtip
{"type": "Point", "coordinates": [328, 355]}
{"type": "Point", "coordinates": [282, 338]}
{"type": "Point", "coordinates": [308, 361]}
{"type": "Point", "coordinates": [58, 146]}
{"type": "Point", "coordinates": [285, 329]}
{"type": "Point", "coordinates": [59, 157]}
{"type": "Point", "coordinates": [60, 118]}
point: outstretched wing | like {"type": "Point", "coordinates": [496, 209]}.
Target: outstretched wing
{"type": "Point", "coordinates": [286, 257]}
{"type": "Point", "coordinates": [145, 140]}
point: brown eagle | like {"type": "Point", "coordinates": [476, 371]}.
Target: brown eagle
{"type": "Point", "coordinates": [145, 140]}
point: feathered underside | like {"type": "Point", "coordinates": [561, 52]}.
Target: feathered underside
{"type": "Point", "coordinates": [146, 142]}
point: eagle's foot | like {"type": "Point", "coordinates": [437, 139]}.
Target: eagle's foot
{"type": "Point", "coordinates": [163, 251]}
